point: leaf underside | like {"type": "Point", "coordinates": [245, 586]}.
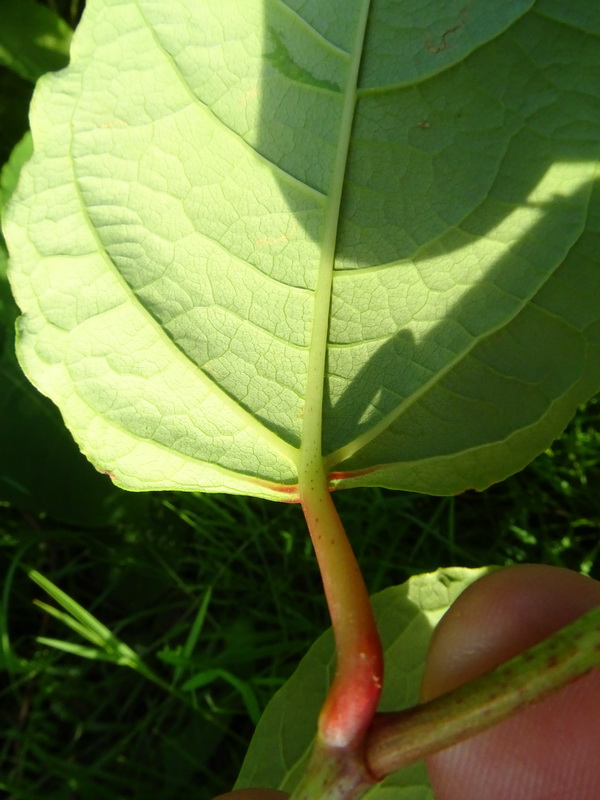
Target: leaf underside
{"type": "Point", "coordinates": [213, 197]}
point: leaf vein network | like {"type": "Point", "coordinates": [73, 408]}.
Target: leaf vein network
{"type": "Point", "coordinates": [249, 264]}
{"type": "Point", "coordinates": [169, 448]}
{"type": "Point", "coordinates": [205, 108]}
{"type": "Point", "coordinates": [230, 312]}
{"type": "Point", "coordinates": [247, 419]}
{"type": "Point", "coordinates": [352, 447]}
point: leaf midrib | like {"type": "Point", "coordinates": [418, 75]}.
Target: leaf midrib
{"type": "Point", "coordinates": [311, 455]}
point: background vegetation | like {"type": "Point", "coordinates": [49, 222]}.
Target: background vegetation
{"type": "Point", "coordinates": [217, 596]}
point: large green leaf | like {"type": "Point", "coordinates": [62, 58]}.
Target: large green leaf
{"type": "Point", "coordinates": [225, 193]}
{"type": "Point", "coordinates": [406, 617]}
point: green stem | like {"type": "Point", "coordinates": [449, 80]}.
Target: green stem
{"type": "Point", "coordinates": [333, 775]}
{"type": "Point", "coordinates": [354, 694]}
{"type": "Point", "coordinates": [397, 739]}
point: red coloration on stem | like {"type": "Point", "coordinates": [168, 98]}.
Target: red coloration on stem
{"type": "Point", "coordinates": [353, 697]}
{"type": "Point", "coordinates": [354, 694]}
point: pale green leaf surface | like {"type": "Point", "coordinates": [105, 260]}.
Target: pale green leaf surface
{"type": "Point", "coordinates": [406, 616]}
{"type": "Point", "coordinates": [202, 170]}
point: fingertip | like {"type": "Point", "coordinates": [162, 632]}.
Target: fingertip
{"type": "Point", "coordinates": [501, 615]}
{"type": "Point", "coordinates": [548, 750]}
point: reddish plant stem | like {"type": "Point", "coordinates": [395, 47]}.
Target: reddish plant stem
{"type": "Point", "coordinates": [354, 694]}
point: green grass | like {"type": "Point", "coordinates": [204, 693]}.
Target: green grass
{"type": "Point", "coordinates": [218, 597]}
